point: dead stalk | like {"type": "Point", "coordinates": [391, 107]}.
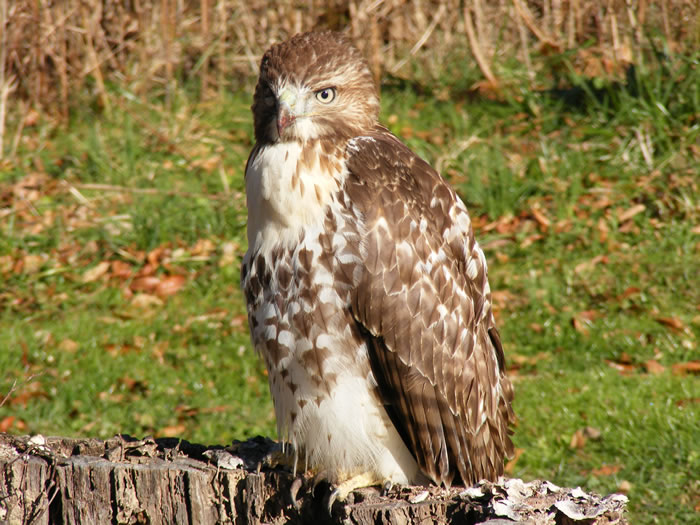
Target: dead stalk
{"type": "Point", "coordinates": [476, 48]}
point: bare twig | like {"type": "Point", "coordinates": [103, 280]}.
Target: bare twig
{"type": "Point", "coordinates": [476, 48]}
{"type": "Point", "coordinates": [529, 20]}
{"type": "Point", "coordinates": [422, 40]}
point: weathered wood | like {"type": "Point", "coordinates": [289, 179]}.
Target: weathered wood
{"type": "Point", "coordinates": [166, 481]}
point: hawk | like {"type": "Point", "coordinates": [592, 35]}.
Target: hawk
{"type": "Point", "coordinates": [367, 294]}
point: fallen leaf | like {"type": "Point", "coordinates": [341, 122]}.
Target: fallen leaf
{"type": "Point", "coordinates": [32, 264]}
{"type": "Point", "coordinates": [145, 301]}
{"type": "Point", "coordinates": [133, 385]}
{"type": "Point", "coordinates": [687, 401]}
{"type": "Point", "coordinates": [510, 465]}
{"type": "Point", "coordinates": [68, 345]}
{"type": "Point", "coordinates": [172, 431]}
{"type": "Point", "coordinates": [203, 247]}
{"type": "Point", "coordinates": [630, 212]}
{"type": "Point", "coordinates": [632, 290]}
{"type": "Point", "coordinates": [96, 272]}
{"type": "Point", "coordinates": [672, 322]}
{"type": "Point", "coordinates": [169, 285]}
{"type": "Point", "coordinates": [606, 470]}
{"type": "Point", "coordinates": [654, 367]}
{"type": "Point", "coordinates": [541, 218]}
{"type": "Point", "coordinates": [592, 433]}
{"type": "Point", "coordinates": [6, 263]}
{"type": "Point", "coordinates": [580, 325]}
{"type": "Point", "coordinates": [625, 358]}
{"type": "Point", "coordinates": [531, 239]}
{"type": "Point", "coordinates": [624, 486]}
{"type": "Point", "coordinates": [690, 367]}
{"type": "Point", "coordinates": [578, 440]}
{"type": "Point", "coordinates": [121, 269]}
{"type": "Point", "coordinates": [30, 391]}
{"type": "Point", "coordinates": [622, 368]}
{"type": "Point", "coordinates": [145, 284]}
{"type": "Point", "coordinates": [6, 423]}
{"type": "Point", "coordinates": [588, 265]}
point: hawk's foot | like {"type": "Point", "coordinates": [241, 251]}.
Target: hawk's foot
{"type": "Point", "coordinates": [344, 489]}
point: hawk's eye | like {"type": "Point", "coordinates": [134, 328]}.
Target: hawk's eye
{"type": "Point", "coordinates": [326, 95]}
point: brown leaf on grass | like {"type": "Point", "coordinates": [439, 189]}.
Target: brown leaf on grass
{"type": "Point", "coordinates": [30, 264]}
{"type": "Point", "coordinates": [581, 325]}
{"type": "Point", "coordinates": [510, 466]}
{"type": "Point", "coordinates": [519, 360]}
{"type": "Point", "coordinates": [6, 423]}
{"type": "Point", "coordinates": [589, 265]}
{"type": "Point", "coordinates": [623, 368]}
{"type": "Point", "coordinates": [592, 433]}
{"type": "Point", "coordinates": [696, 229]}
{"type": "Point", "coordinates": [155, 255]}
{"type": "Point", "coordinates": [687, 401]}
{"type": "Point", "coordinates": [654, 367]}
{"type": "Point", "coordinates": [531, 239]}
{"type": "Point", "coordinates": [203, 247]}
{"type": "Point", "coordinates": [145, 301]}
{"type": "Point", "coordinates": [627, 214]}
{"type": "Point", "coordinates": [629, 292]}
{"type": "Point", "coordinates": [144, 284]}
{"type": "Point", "coordinates": [624, 486]}
{"type": "Point", "coordinates": [208, 164]}
{"type": "Point", "coordinates": [606, 470]}
{"type": "Point", "coordinates": [578, 440]}
{"type": "Point", "coordinates": [7, 262]}
{"type": "Point", "coordinates": [689, 367]}
{"type": "Point", "coordinates": [625, 358]}
{"type": "Point", "coordinates": [121, 269]}
{"type": "Point", "coordinates": [68, 345]}
{"type": "Point", "coordinates": [96, 272]}
{"type": "Point", "coordinates": [541, 218]}
{"type": "Point", "coordinates": [133, 385]}
{"type": "Point", "coordinates": [672, 322]}
{"type": "Point", "coordinates": [30, 391]}
{"type": "Point", "coordinates": [169, 285]}
{"type": "Point", "coordinates": [172, 431]}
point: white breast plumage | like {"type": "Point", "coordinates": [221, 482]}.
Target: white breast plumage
{"type": "Point", "coordinates": [288, 188]}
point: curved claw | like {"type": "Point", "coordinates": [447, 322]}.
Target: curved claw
{"type": "Point", "coordinates": [387, 486]}
{"type": "Point", "coordinates": [293, 490]}
{"type": "Point", "coordinates": [331, 499]}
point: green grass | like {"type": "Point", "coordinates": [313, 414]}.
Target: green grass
{"type": "Point", "coordinates": [589, 217]}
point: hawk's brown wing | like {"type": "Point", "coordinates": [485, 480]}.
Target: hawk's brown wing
{"type": "Point", "coordinates": [424, 305]}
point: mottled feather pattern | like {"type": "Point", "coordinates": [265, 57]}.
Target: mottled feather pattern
{"type": "Point", "coordinates": [367, 293]}
{"type": "Point", "coordinates": [438, 304]}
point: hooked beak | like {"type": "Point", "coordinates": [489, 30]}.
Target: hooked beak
{"type": "Point", "coordinates": [285, 111]}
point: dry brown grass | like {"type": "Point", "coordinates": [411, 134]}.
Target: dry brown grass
{"type": "Point", "coordinates": [53, 50]}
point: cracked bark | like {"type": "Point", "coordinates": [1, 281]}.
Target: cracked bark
{"type": "Point", "coordinates": [127, 481]}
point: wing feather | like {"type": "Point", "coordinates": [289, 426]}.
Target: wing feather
{"type": "Point", "coordinates": [445, 390]}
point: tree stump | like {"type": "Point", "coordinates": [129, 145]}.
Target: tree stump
{"type": "Point", "coordinates": [168, 481]}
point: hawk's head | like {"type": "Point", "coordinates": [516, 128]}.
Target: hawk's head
{"type": "Point", "coordinates": [314, 85]}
